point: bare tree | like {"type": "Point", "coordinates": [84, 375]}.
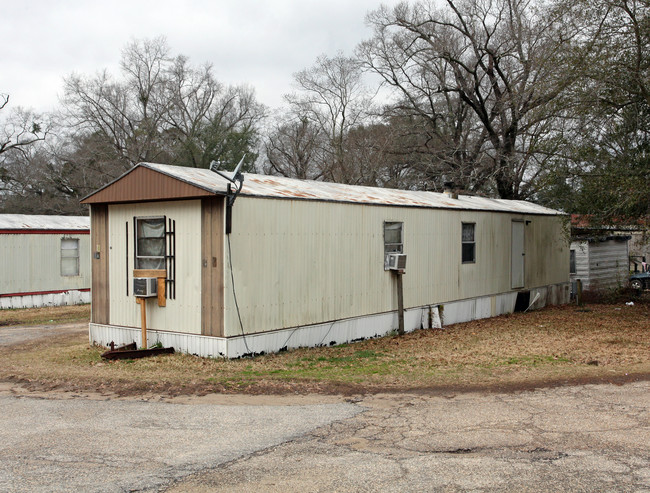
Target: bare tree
{"type": "Point", "coordinates": [292, 147]}
{"type": "Point", "coordinates": [20, 128]}
{"type": "Point", "coordinates": [164, 110]}
{"type": "Point", "coordinates": [332, 99]}
{"type": "Point", "coordinates": [486, 76]}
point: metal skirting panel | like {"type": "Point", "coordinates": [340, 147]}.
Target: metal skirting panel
{"type": "Point", "coordinates": [473, 309]}
{"type": "Point", "coordinates": [40, 300]}
{"type": "Point", "coordinates": [327, 334]}
{"type": "Point", "coordinates": [210, 347]}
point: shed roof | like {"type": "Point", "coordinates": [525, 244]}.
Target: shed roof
{"type": "Point", "coordinates": [42, 222]}
{"type": "Point", "coordinates": [204, 180]}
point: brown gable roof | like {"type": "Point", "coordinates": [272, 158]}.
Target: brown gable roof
{"type": "Point", "coordinates": [142, 184]}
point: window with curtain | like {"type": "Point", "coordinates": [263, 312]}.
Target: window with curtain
{"type": "Point", "coordinates": [69, 257]}
{"type": "Point", "coordinates": [150, 243]}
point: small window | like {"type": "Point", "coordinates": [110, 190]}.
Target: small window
{"type": "Point", "coordinates": [69, 257]}
{"type": "Point", "coordinates": [393, 240]}
{"type": "Point", "coordinates": [572, 262]}
{"type": "Point", "coordinates": [468, 244]}
{"type": "Point", "coordinates": [150, 243]}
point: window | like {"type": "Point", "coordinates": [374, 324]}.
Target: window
{"type": "Point", "coordinates": [572, 262]}
{"type": "Point", "coordinates": [393, 240]}
{"type": "Point", "coordinates": [69, 257]}
{"type": "Point", "coordinates": [150, 243]}
{"type": "Point", "coordinates": [468, 244]}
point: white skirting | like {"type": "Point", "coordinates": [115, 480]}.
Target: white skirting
{"type": "Point", "coordinates": [72, 297]}
{"type": "Point", "coordinates": [330, 333]}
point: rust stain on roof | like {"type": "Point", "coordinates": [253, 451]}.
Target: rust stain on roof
{"type": "Point", "coordinates": [280, 187]}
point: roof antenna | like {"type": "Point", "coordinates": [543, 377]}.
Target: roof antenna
{"type": "Point", "coordinates": [237, 179]}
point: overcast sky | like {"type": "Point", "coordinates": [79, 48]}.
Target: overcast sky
{"type": "Point", "coordinates": [261, 43]}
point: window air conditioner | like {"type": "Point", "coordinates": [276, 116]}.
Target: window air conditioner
{"type": "Point", "coordinates": [397, 261]}
{"type": "Point", "coordinates": [145, 287]}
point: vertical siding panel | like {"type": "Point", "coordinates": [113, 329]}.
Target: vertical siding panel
{"type": "Point", "coordinates": [100, 290]}
{"type": "Point", "coordinates": [212, 266]}
{"type": "Point", "coordinates": [206, 285]}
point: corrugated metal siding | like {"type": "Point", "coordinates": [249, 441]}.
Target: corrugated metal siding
{"type": "Point", "coordinates": [582, 262]}
{"type": "Point", "coordinates": [601, 264]}
{"type": "Point", "coordinates": [608, 264]}
{"type": "Point", "coordinates": [301, 262]}
{"type": "Point", "coordinates": [32, 263]}
{"type": "Point", "coordinates": [182, 314]}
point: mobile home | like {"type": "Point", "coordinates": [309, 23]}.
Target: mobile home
{"type": "Point", "coordinates": [45, 260]}
{"type": "Point", "coordinates": [600, 262]}
{"type": "Point", "coordinates": [288, 263]}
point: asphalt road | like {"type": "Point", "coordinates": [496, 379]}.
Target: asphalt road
{"type": "Point", "coordinates": [49, 445]}
{"type": "Point", "coordinates": [586, 438]}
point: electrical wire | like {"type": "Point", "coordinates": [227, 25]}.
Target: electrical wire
{"type": "Point", "coordinates": [326, 333]}
{"type": "Point", "coordinates": [234, 294]}
{"type": "Point", "coordinates": [319, 344]}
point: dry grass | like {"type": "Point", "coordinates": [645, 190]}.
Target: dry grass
{"type": "Point", "coordinates": [33, 316]}
{"type": "Point", "coordinates": [554, 345]}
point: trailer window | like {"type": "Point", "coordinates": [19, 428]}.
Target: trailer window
{"type": "Point", "coordinates": [468, 244]}
{"type": "Point", "coordinates": [69, 257]}
{"type": "Point", "coordinates": [572, 262]}
{"type": "Point", "coordinates": [150, 243]}
{"type": "Point", "coordinates": [393, 239]}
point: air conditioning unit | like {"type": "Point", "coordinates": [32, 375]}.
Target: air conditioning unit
{"type": "Point", "coordinates": [145, 287]}
{"type": "Point", "coordinates": [397, 261]}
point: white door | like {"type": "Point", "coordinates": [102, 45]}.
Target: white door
{"type": "Point", "coordinates": [517, 255]}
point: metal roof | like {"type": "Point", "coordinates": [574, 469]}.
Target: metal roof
{"type": "Point", "coordinates": [42, 222]}
{"type": "Point", "coordinates": [290, 188]}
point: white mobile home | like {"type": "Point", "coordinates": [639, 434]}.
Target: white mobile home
{"type": "Point", "coordinates": [600, 262]}
{"type": "Point", "coordinates": [299, 263]}
{"type": "Point", "coordinates": [45, 260]}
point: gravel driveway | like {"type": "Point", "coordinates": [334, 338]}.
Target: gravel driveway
{"type": "Point", "coordinates": [19, 334]}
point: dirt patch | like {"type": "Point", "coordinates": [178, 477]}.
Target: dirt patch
{"type": "Point", "coordinates": [523, 351]}
{"type": "Point", "coordinates": [50, 314]}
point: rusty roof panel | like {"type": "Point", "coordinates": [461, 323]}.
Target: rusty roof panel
{"type": "Point", "coordinates": [281, 187]}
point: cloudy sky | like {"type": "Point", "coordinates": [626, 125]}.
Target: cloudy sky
{"type": "Point", "coordinates": [261, 43]}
